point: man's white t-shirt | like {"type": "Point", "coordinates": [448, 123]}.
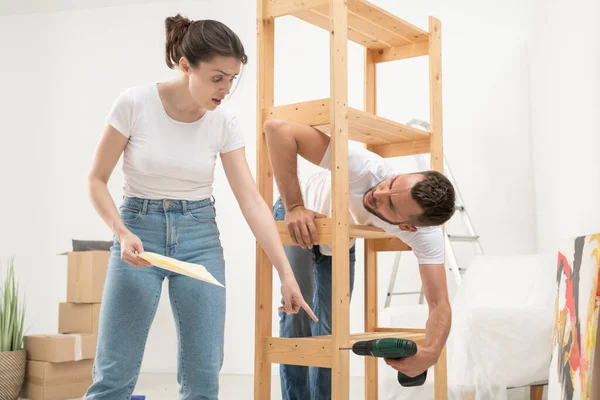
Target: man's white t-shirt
{"type": "Point", "coordinates": [365, 170]}
{"type": "Point", "coordinates": [165, 158]}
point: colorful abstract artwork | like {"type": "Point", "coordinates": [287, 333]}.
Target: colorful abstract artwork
{"type": "Point", "coordinates": [575, 319]}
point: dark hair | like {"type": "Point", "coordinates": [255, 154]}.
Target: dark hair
{"type": "Point", "coordinates": [435, 195]}
{"type": "Point", "coordinates": [200, 41]}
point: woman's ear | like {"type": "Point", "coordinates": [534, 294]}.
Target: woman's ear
{"type": "Point", "coordinates": [406, 227]}
{"type": "Point", "coordinates": [184, 66]}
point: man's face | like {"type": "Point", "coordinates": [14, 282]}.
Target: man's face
{"type": "Point", "coordinates": [391, 201]}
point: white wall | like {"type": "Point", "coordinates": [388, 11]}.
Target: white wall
{"type": "Point", "coordinates": [68, 66]}
{"type": "Point", "coordinates": [565, 92]}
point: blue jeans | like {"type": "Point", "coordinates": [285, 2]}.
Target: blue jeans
{"type": "Point", "coordinates": [185, 230]}
{"type": "Point", "coordinates": [313, 273]}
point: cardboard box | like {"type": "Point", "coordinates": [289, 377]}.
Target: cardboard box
{"type": "Point", "coordinates": [86, 272]}
{"type": "Point", "coordinates": [78, 318]}
{"type": "Point", "coordinates": [61, 347]}
{"type": "Point", "coordinates": [57, 381]}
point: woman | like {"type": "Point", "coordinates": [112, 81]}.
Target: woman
{"type": "Point", "coordinates": [170, 134]}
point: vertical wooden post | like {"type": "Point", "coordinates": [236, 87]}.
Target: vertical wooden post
{"type": "Point", "coordinates": [435, 94]}
{"type": "Point", "coordinates": [370, 86]}
{"type": "Point", "coordinates": [437, 157]}
{"type": "Point", "coordinates": [441, 377]}
{"type": "Point", "coordinates": [536, 392]}
{"type": "Point", "coordinates": [338, 30]}
{"type": "Point", "coordinates": [371, 306]}
{"type": "Point", "coordinates": [264, 269]}
{"type": "Point", "coordinates": [371, 310]}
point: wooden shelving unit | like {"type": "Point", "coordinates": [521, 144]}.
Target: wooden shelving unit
{"type": "Point", "coordinates": [385, 38]}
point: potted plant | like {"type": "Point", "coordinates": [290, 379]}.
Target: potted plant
{"type": "Point", "coordinates": [12, 353]}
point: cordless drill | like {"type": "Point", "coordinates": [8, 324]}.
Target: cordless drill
{"type": "Point", "coordinates": [391, 348]}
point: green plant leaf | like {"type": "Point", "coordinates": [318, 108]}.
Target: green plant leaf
{"type": "Point", "coordinates": [12, 312]}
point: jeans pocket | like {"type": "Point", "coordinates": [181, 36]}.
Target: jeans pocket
{"type": "Point", "coordinates": [202, 214]}
{"type": "Point", "coordinates": [129, 214]}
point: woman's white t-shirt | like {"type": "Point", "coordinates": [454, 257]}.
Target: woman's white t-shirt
{"type": "Point", "coordinates": [165, 158]}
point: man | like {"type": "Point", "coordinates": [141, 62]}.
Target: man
{"type": "Point", "coordinates": [411, 206]}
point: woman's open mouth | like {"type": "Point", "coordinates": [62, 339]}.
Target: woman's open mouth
{"type": "Point", "coordinates": [217, 101]}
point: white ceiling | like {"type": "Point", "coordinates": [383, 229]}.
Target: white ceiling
{"type": "Point", "coordinates": [14, 7]}
{"type": "Point", "coordinates": [515, 13]}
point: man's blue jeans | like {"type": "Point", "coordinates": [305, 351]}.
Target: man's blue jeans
{"type": "Point", "coordinates": [313, 273]}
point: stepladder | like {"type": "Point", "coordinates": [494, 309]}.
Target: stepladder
{"type": "Point", "coordinates": [470, 235]}
{"type": "Point", "coordinates": [386, 38]}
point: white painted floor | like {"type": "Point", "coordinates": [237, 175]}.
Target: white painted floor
{"type": "Point", "coordinates": [232, 387]}
{"type": "Point", "coordinates": [240, 387]}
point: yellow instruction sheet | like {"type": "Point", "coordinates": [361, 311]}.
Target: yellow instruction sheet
{"type": "Point", "coordinates": [196, 271]}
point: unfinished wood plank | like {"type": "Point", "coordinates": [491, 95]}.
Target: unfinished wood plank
{"type": "Point", "coordinates": [401, 52]}
{"type": "Point", "coordinates": [315, 112]}
{"type": "Point", "coordinates": [278, 8]}
{"type": "Point", "coordinates": [324, 229]}
{"type": "Point", "coordinates": [371, 311]}
{"type": "Point", "coordinates": [367, 24]}
{"type": "Point", "coordinates": [400, 330]}
{"type": "Point", "coordinates": [369, 232]}
{"type": "Point", "coordinates": [441, 377]}
{"type": "Point", "coordinates": [377, 33]}
{"type": "Point", "coordinates": [387, 21]}
{"type": "Point", "coordinates": [325, 232]}
{"type": "Point", "coordinates": [363, 126]}
{"type": "Point", "coordinates": [435, 94]}
{"type": "Point", "coordinates": [391, 244]}
{"type": "Point", "coordinates": [408, 334]}
{"type": "Point", "coordinates": [364, 134]}
{"type": "Point", "coordinates": [264, 268]}
{"type": "Point", "coordinates": [375, 135]}
{"type": "Point", "coordinates": [357, 134]}
{"type": "Point", "coordinates": [340, 324]}
{"type": "Point", "coordinates": [360, 29]}
{"type": "Point", "coordinates": [298, 351]}
{"type": "Point", "coordinates": [402, 149]}
{"type": "Point", "coordinates": [320, 18]}
{"type": "Point", "coordinates": [375, 122]}
{"type": "Point", "coordinates": [316, 18]}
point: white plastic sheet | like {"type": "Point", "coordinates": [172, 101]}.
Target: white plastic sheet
{"type": "Point", "coordinates": [501, 330]}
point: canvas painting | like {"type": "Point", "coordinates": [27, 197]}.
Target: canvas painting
{"type": "Point", "coordinates": [575, 319]}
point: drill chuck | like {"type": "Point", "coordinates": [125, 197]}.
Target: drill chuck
{"type": "Point", "coordinates": [363, 348]}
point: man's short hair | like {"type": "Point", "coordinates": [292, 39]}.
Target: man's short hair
{"type": "Point", "coordinates": [436, 196]}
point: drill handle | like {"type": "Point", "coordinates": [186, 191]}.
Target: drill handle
{"type": "Point", "coordinates": [407, 381]}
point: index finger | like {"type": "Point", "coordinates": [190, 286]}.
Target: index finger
{"type": "Point", "coordinates": [309, 311]}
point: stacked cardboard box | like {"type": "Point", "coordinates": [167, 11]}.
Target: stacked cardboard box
{"type": "Point", "coordinates": [59, 366]}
